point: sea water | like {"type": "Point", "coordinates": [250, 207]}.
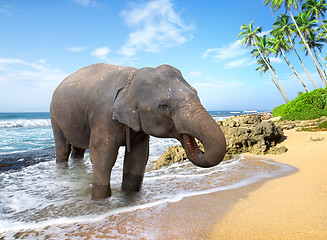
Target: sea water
{"type": "Point", "coordinates": [34, 192]}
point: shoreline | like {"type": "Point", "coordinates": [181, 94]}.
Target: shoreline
{"type": "Point", "coordinates": [154, 219]}
{"type": "Point", "coordinates": [287, 207]}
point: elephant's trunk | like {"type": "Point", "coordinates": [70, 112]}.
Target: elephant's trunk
{"type": "Point", "coordinates": [197, 123]}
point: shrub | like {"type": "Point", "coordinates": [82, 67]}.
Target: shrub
{"type": "Point", "coordinates": [309, 105]}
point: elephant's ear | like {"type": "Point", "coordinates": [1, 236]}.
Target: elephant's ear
{"type": "Point", "coordinates": [124, 112]}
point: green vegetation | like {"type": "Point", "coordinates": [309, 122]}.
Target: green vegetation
{"type": "Point", "coordinates": [321, 127]}
{"type": "Point", "coordinates": [308, 105]}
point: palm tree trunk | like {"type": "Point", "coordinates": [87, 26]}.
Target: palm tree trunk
{"type": "Point", "coordinates": [287, 99]}
{"type": "Point", "coordinates": [272, 72]}
{"type": "Point", "coordinates": [315, 52]}
{"type": "Point", "coordinates": [277, 86]}
{"type": "Point", "coordinates": [306, 45]}
{"type": "Point", "coordinates": [321, 59]}
{"type": "Point", "coordinates": [301, 62]}
{"type": "Point", "coordinates": [292, 68]}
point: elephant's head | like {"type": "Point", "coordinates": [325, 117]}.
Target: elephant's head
{"type": "Point", "coordinates": [161, 103]}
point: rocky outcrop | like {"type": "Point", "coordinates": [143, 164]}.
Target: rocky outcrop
{"type": "Point", "coordinates": [298, 124]}
{"type": "Point", "coordinates": [250, 133]}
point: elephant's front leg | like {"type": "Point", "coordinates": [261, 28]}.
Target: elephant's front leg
{"type": "Point", "coordinates": [103, 154]}
{"type": "Point", "coordinates": [134, 165]}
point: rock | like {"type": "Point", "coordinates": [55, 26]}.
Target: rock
{"type": "Point", "coordinates": [249, 133]}
{"type": "Point", "coordinates": [318, 139]}
{"type": "Point", "coordinates": [278, 150]}
{"type": "Point", "coordinates": [299, 125]}
{"type": "Point", "coordinates": [172, 155]}
{"type": "Point", "coordinates": [242, 120]}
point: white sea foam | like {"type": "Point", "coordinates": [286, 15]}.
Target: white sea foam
{"type": "Point", "coordinates": [251, 111]}
{"type": "Point", "coordinates": [20, 123]}
{"type": "Point", "coordinates": [219, 118]}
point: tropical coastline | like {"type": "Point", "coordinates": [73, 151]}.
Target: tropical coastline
{"type": "Point", "coordinates": [291, 205]}
{"type": "Point", "coordinates": [268, 181]}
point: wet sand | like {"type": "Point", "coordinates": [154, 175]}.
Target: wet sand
{"type": "Point", "coordinates": [293, 207]}
{"type": "Point", "coordinates": [290, 207]}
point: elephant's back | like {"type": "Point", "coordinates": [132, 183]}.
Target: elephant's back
{"type": "Point", "coordinates": [90, 76]}
{"type": "Point", "coordinates": [91, 83]}
{"type": "Point", "coordinates": [87, 94]}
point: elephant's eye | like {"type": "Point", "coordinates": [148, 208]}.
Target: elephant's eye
{"type": "Point", "coordinates": [164, 106]}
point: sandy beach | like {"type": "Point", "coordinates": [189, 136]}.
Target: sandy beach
{"type": "Point", "coordinates": [292, 207]}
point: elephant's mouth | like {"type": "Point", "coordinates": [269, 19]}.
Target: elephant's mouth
{"type": "Point", "coordinates": [191, 147]}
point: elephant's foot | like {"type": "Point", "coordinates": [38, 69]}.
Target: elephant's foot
{"type": "Point", "coordinates": [100, 191]}
{"type": "Point", "coordinates": [132, 182]}
{"type": "Point", "coordinates": [77, 153]}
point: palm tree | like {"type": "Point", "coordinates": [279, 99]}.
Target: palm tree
{"type": "Point", "coordinates": [322, 27]}
{"type": "Point", "coordinates": [262, 51]}
{"type": "Point", "coordinates": [307, 28]}
{"type": "Point", "coordinates": [280, 46]}
{"type": "Point", "coordinates": [263, 67]}
{"type": "Point", "coordinates": [263, 47]}
{"type": "Point", "coordinates": [276, 4]}
{"type": "Point", "coordinates": [250, 37]}
{"type": "Point", "coordinates": [284, 27]}
{"type": "Point", "coordinates": [263, 44]}
{"type": "Point", "coordinates": [315, 43]}
{"type": "Point", "coordinates": [316, 9]}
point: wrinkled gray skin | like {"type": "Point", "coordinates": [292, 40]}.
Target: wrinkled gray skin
{"type": "Point", "coordinates": [91, 108]}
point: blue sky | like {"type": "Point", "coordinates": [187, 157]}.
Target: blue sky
{"type": "Point", "coordinates": [44, 41]}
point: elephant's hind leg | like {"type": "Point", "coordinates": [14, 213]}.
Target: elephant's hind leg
{"type": "Point", "coordinates": [77, 153]}
{"type": "Point", "coordinates": [134, 165]}
{"type": "Point", "coordinates": [63, 147]}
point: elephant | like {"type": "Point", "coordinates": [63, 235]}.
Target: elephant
{"type": "Point", "coordinates": [102, 107]}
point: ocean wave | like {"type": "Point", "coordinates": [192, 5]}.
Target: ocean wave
{"type": "Point", "coordinates": [25, 123]}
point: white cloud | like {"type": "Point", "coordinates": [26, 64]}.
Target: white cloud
{"type": "Point", "coordinates": [76, 49]}
{"type": "Point", "coordinates": [243, 62]}
{"type": "Point", "coordinates": [232, 55]}
{"type": "Point", "coordinates": [230, 51]}
{"type": "Point", "coordinates": [275, 60]}
{"type": "Point", "coordinates": [42, 61]}
{"type": "Point", "coordinates": [101, 52]}
{"type": "Point", "coordinates": [33, 74]}
{"type": "Point", "coordinates": [264, 33]}
{"type": "Point", "coordinates": [85, 3]}
{"type": "Point", "coordinates": [156, 26]}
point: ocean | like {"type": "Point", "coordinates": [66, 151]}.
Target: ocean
{"type": "Point", "coordinates": [35, 193]}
